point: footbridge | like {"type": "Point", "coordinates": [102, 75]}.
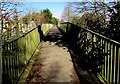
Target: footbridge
{"type": "Point", "coordinates": [66, 53]}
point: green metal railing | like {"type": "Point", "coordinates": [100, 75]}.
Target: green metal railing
{"type": "Point", "coordinates": [16, 54]}
{"type": "Point", "coordinates": [10, 34]}
{"type": "Point", "coordinates": [97, 54]}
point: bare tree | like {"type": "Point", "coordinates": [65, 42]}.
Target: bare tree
{"type": "Point", "coordinates": [7, 9]}
{"type": "Point", "coordinates": [67, 14]}
{"type": "Point", "coordinates": [95, 7]}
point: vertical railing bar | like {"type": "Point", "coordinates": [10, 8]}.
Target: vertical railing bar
{"type": "Point", "coordinates": [109, 62]}
{"type": "Point", "coordinates": [3, 61]}
{"type": "Point", "coordinates": [11, 64]}
{"type": "Point", "coordinates": [101, 59]}
{"type": "Point", "coordinates": [108, 65]}
{"type": "Point", "coordinates": [3, 58]}
{"type": "Point", "coordinates": [17, 71]}
{"type": "Point", "coordinates": [118, 76]}
{"type": "Point", "coordinates": [113, 50]}
{"type": "Point", "coordinates": [99, 47]}
{"type": "Point", "coordinates": [13, 60]}
{"type": "Point", "coordinates": [105, 60]}
{"type": "Point", "coordinates": [19, 68]}
{"type": "Point", "coordinates": [116, 66]}
{"type": "Point", "coordinates": [10, 61]}
{"type": "Point", "coordinates": [7, 61]}
{"type": "Point", "coordinates": [114, 63]}
{"type": "Point", "coordinates": [13, 54]}
{"type": "Point", "coordinates": [9, 57]}
{"type": "Point", "coordinates": [111, 72]}
{"type": "Point", "coordinates": [17, 65]}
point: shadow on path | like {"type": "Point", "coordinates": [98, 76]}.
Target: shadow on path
{"type": "Point", "coordinates": [53, 64]}
{"type": "Point", "coordinates": [53, 35]}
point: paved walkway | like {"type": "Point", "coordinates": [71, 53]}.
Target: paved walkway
{"type": "Point", "coordinates": [52, 64]}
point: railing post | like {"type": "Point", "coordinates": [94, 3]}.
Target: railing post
{"type": "Point", "coordinates": [67, 27]}
{"type": "Point", "coordinates": [40, 33]}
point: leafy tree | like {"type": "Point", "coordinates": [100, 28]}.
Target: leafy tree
{"type": "Point", "coordinates": [26, 19]}
{"type": "Point", "coordinates": [75, 20]}
{"type": "Point", "coordinates": [90, 21]}
{"type": "Point", "coordinates": [114, 23]}
{"type": "Point", "coordinates": [99, 16]}
{"type": "Point", "coordinates": [16, 19]}
{"type": "Point", "coordinates": [54, 20]}
{"type": "Point", "coordinates": [47, 15]}
{"type": "Point", "coordinates": [44, 16]}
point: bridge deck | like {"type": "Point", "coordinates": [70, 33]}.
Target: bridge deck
{"type": "Point", "coordinates": [53, 63]}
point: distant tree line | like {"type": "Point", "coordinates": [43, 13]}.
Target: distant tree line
{"type": "Point", "coordinates": [14, 20]}
{"type": "Point", "coordinates": [44, 16]}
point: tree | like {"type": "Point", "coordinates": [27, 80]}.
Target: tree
{"type": "Point", "coordinates": [54, 20]}
{"type": "Point", "coordinates": [114, 23]}
{"type": "Point", "coordinates": [47, 15]}
{"type": "Point", "coordinates": [67, 14]}
{"type": "Point", "coordinates": [36, 17]}
{"type": "Point", "coordinates": [44, 16]}
{"type": "Point", "coordinates": [104, 17]}
{"type": "Point", "coordinates": [16, 19]}
{"type": "Point", "coordinates": [7, 9]}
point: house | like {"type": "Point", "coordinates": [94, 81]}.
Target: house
{"type": "Point", "coordinates": [8, 23]}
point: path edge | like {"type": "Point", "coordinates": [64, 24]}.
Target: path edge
{"type": "Point", "coordinates": [29, 66]}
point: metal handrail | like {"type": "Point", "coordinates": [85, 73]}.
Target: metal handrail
{"type": "Point", "coordinates": [16, 54]}
{"type": "Point", "coordinates": [111, 40]}
{"type": "Point", "coordinates": [19, 37]}
{"type": "Point", "coordinates": [90, 44]}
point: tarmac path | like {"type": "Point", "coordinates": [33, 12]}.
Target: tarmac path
{"type": "Point", "coordinates": [53, 63]}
